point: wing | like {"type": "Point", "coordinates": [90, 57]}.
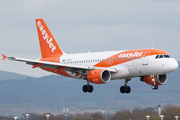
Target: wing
{"type": "Point", "coordinates": [57, 66]}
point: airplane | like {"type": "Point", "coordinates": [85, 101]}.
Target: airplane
{"type": "Point", "coordinates": [151, 65]}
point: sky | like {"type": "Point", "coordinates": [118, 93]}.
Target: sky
{"type": "Point", "coordinates": [87, 25]}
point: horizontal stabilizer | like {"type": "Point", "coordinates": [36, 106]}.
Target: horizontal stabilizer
{"type": "Point", "coordinates": [4, 57]}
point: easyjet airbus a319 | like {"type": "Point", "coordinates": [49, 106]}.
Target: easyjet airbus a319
{"type": "Point", "coordinates": [151, 65]}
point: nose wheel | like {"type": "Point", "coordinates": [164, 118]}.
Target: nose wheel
{"type": "Point", "coordinates": [154, 87]}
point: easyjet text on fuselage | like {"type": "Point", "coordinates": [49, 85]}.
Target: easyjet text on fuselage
{"type": "Point", "coordinates": [129, 55]}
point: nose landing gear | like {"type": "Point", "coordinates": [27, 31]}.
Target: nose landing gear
{"type": "Point", "coordinates": [154, 86]}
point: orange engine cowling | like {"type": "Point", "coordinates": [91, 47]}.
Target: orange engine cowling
{"type": "Point", "coordinates": [160, 80]}
{"type": "Point", "coordinates": [99, 76]}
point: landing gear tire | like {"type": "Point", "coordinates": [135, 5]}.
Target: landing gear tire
{"type": "Point", "coordinates": [128, 89]}
{"type": "Point", "coordinates": [122, 89]}
{"type": "Point", "coordinates": [91, 89]}
{"type": "Point", "coordinates": [85, 88]}
{"type": "Point", "coordinates": [154, 87]}
{"type": "Point", "coordinates": [88, 88]}
{"type": "Point", "coordinates": [125, 89]}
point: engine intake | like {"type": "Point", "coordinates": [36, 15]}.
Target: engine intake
{"type": "Point", "coordinates": [99, 76]}
{"type": "Point", "coordinates": [162, 79]}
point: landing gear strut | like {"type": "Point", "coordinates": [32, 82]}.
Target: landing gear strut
{"type": "Point", "coordinates": [154, 86]}
{"type": "Point", "coordinates": [88, 88]}
{"type": "Point", "coordinates": [125, 88]}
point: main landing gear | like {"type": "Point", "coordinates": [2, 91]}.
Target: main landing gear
{"type": "Point", "coordinates": [125, 88]}
{"type": "Point", "coordinates": [88, 88]}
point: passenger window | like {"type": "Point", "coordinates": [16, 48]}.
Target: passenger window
{"type": "Point", "coordinates": [157, 56]}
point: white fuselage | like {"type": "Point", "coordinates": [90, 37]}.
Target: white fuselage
{"type": "Point", "coordinates": [128, 67]}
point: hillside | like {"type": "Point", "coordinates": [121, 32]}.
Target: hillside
{"type": "Point", "coordinates": [4, 75]}
{"type": "Point", "coordinates": [53, 93]}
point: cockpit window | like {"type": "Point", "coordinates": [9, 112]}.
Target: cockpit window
{"type": "Point", "coordinates": [161, 56]}
{"type": "Point", "coordinates": [166, 56]}
{"type": "Point", "coordinates": [157, 56]}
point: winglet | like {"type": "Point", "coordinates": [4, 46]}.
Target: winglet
{"type": "Point", "coordinates": [4, 57]}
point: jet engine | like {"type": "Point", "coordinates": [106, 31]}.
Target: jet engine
{"type": "Point", "coordinates": [159, 80]}
{"type": "Point", "coordinates": [99, 76]}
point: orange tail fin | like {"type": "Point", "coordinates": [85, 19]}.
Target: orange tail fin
{"type": "Point", "coordinates": [47, 42]}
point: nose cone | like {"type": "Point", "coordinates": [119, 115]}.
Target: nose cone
{"type": "Point", "coordinates": [174, 65]}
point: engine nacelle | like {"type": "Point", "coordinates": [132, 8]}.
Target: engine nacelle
{"type": "Point", "coordinates": [160, 80]}
{"type": "Point", "coordinates": [98, 76]}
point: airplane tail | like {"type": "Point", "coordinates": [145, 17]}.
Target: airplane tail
{"type": "Point", "coordinates": [48, 44]}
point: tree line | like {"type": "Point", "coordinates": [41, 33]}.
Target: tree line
{"type": "Point", "coordinates": [169, 111]}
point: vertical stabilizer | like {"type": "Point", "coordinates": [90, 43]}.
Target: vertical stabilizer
{"type": "Point", "coordinates": [48, 44]}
